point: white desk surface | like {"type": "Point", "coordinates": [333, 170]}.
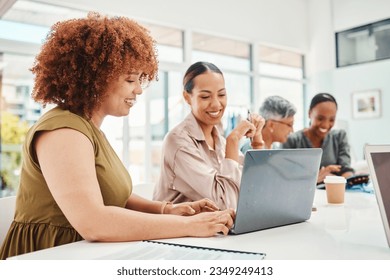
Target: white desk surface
{"type": "Point", "coordinates": [352, 231]}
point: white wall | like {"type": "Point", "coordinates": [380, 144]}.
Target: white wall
{"type": "Point", "coordinates": [352, 13]}
{"type": "Point", "coordinates": [364, 77]}
{"type": "Point", "coordinates": [326, 18]}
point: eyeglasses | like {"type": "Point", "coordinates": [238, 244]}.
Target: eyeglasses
{"type": "Point", "coordinates": [288, 124]}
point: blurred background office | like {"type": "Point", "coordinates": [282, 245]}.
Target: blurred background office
{"type": "Point", "coordinates": [291, 48]}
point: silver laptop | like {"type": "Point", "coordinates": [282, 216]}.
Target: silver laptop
{"type": "Point", "coordinates": [277, 188]}
{"type": "Point", "coordinates": [378, 159]}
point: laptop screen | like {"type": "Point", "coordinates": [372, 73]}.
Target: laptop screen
{"type": "Point", "coordinates": [379, 163]}
{"type": "Point", "coordinates": [277, 188]}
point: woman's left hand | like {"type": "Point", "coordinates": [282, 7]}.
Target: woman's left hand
{"type": "Point", "coordinates": [191, 208]}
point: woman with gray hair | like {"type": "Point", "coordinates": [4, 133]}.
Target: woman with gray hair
{"type": "Point", "coordinates": [278, 113]}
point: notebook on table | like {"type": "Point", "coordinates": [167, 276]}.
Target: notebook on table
{"type": "Point", "coordinates": [378, 159]}
{"type": "Point", "coordinates": [160, 250]}
{"type": "Point", "coordinates": [277, 188]}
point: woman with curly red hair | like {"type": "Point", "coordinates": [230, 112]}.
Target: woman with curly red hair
{"type": "Point", "coordinates": [72, 184]}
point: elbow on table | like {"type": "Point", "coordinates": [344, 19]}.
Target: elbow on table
{"type": "Point", "coordinates": [93, 233]}
{"type": "Point", "coordinates": [90, 235]}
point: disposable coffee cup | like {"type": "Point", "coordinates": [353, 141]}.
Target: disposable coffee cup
{"type": "Point", "coordinates": [335, 189]}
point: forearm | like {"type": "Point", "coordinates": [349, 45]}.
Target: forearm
{"type": "Point", "coordinates": [232, 144]}
{"type": "Point", "coordinates": [257, 142]}
{"type": "Point", "coordinates": [118, 224]}
{"type": "Point", "coordinates": [137, 203]}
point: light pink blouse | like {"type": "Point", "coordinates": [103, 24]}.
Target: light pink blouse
{"type": "Point", "coordinates": [191, 170]}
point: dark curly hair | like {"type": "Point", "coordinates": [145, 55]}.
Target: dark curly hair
{"type": "Point", "coordinates": [82, 56]}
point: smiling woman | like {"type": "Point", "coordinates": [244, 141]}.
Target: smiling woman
{"type": "Point", "coordinates": [197, 161]}
{"type": "Point", "coordinates": [95, 49]}
{"type": "Point", "coordinates": [336, 159]}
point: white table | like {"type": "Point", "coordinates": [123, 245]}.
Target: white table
{"type": "Point", "coordinates": [353, 231]}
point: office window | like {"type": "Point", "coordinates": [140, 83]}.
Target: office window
{"type": "Point", "coordinates": [40, 14]}
{"type": "Point", "coordinates": [366, 43]}
{"type": "Point", "coordinates": [177, 107]}
{"type": "Point", "coordinates": [227, 54]}
{"type": "Point", "coordinates": [167, 109]}
{"type": "Point", "coordinates": [17, 83]}
{"type": "Point", "coordinates": [157, 100]}
{"type": "Point", "coordinates": [280, 63]}
{"type": "Point", "coordinates": [282, 73]}
{"type": "Point", "coordinates": [238, 88]}
{"type": "Point", "coordinates": [17, 112]}
{"type": "Point", "coordinates": [169, 42]}
{"type": "Point", "coordinates": [16, 86]}
{"type": "Point", "coordinates": [22, 32]}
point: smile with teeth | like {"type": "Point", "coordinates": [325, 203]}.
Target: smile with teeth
{"type": "Point", "coordinates": [323, 130]}
{"type": "Point", "coordinates": [130, 101]}
{"type": "Point", "coordinates": [214, 114]}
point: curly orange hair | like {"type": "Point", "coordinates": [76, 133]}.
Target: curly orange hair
{"type": "Point", "coordinates": [82, 56]}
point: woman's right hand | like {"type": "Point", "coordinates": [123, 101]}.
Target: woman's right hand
{"type": "Point", "coordinates": [207, 224]}
{"type": "Point", "coordinates": [326, 171]}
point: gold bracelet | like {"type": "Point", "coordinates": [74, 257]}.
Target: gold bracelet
{"type": "Point", "coordinates": [164, 205]}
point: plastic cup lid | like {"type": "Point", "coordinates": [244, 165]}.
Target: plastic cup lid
{"type": "Point", "coordinates": [335, 179]}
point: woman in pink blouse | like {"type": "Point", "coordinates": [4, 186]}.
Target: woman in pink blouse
{"type": "Point", "coordinates": [197, 161]}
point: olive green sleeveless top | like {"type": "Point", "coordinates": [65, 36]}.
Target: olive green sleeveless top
{"type": "Point", "coordinates": [39, 223]}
